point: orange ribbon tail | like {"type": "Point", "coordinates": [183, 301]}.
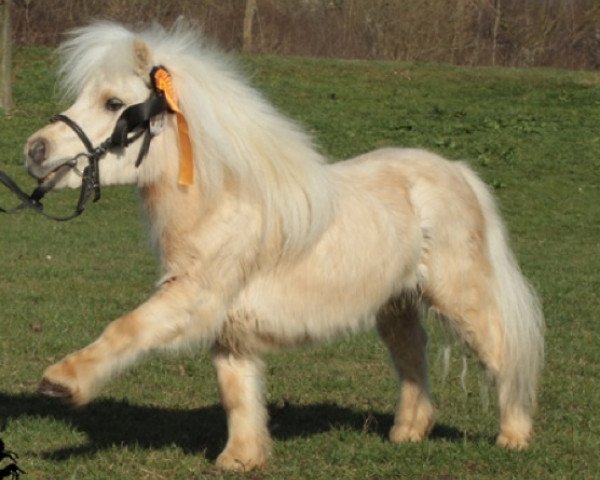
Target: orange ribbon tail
{"type": "Point", "coordinates": [186, 158]}
{"type": "Point", "coordinates": [164, 82]}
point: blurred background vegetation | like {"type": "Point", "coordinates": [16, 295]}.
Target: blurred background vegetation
{"type": "Point", "coordinates": [522, 33]}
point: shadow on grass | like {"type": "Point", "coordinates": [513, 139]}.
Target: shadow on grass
{"type": "Point", "coordinates": [108, 422]}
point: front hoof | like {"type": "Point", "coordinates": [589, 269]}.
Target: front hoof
{"type": "Point", "coordinates": [402, 434]}
{"type": "Point", "coordinates": [513, 442]}
{"type": "Point", "coordinates": [54, 390]}
{"type": "Point", "coordinates": [72, 394]}
{"type": "Point", "coordinates": [237, 463]}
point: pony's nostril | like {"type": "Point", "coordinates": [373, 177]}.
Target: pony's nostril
{"type": "Point", "coordinates": [37, 151]}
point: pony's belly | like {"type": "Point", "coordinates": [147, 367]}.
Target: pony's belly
{"type": "Point", "coordinates": [245, 332]}
{"type": "Point", "coordinates": [308, 305]}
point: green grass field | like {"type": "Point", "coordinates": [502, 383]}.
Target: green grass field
{"type": "Point", "coordinates": [533, 135]}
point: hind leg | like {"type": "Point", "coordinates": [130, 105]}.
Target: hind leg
{"type": "Point", "coordinates": [240, 386]}
{"type": "Point", "coordinates": [514, 404]}
{"type": "Point", "coordinates": [400, 329]}
{"type": "Point", "coordinates": [472, 312]}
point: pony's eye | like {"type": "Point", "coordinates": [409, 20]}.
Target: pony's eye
{"type": "Point", "coordinates": [114, 104]}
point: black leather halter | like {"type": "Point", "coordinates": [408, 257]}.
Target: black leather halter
{"type": "Point", "coordinates": [133, 123]}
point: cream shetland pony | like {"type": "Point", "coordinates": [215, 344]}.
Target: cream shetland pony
{"type": "Point", "coordinates": [270, 247]}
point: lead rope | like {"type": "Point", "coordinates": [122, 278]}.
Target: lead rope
{"type": "Point", "coordinates": [33, 201]}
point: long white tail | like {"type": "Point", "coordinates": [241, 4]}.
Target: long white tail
{"type": "Point", "coordinates": [521, 313]}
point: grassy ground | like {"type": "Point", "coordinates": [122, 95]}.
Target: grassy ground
{"type": "Point", "coordinates": [533, 135]}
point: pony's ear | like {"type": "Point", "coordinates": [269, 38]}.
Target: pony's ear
{"type": "Point", "coordinates": [141, 54]}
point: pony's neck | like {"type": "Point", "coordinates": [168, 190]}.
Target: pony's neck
{"type": "Point", "coordinates": [173, 212]}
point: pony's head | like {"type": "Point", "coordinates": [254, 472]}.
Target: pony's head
{"type": "Point", "coordinates": [237, 138]}
{"type": "Point", "coordinates": [107, 69]}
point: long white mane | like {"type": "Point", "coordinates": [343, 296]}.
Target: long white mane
{"type": "Point", "coordinates": [235, 132]}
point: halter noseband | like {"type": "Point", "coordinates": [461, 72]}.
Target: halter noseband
{"type": "Point", "coordinates": [134, 119]}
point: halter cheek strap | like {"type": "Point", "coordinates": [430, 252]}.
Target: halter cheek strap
{"type": "Point", "coordinates": [91, 173]}
{"type": "Point", "coordinates": [76, 128]}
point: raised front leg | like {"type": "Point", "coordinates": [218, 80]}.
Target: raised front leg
{"type": "Point", "coordinates": [177, 314]}
{"type": "Point", "coordinates": [241, 389]}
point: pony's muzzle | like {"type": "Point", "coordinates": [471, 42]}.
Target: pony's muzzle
{"type": "Point", "coordinates": [37, 150]}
